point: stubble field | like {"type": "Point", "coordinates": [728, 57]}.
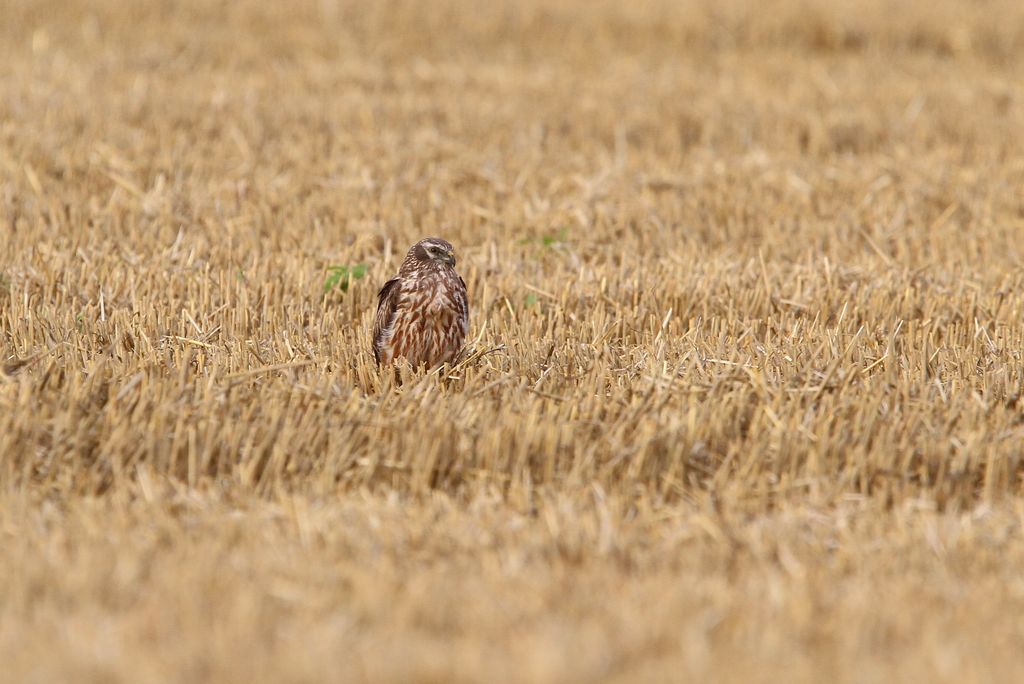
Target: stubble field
{"type": "Point", "coordinates": [744, 397]}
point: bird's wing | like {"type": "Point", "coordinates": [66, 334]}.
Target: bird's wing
{"type": "Point", "coordinates": [387, 303]}
{"type": "Point", "coordinates": [464, 307]}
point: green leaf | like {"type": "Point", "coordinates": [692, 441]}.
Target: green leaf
{"type": "Point", "coordinates": [332, 280]}
{"type": "Point", "coordinates": [342, 275]}
{"type": "Point", "coordinates": [552, 240]}
{"type": "Point", "coordinates": [548, 240]}
{"type": "Point", "coordinates": [531, 300]}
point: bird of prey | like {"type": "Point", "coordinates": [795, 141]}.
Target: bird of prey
{"type": "Point", "coordinates": [423, 312]}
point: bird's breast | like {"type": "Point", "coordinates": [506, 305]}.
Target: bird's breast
{"type": "Point", "coordinates": [437, 301]}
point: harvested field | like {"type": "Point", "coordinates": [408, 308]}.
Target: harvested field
{"type": "Point", "coordinates": [744, 401]}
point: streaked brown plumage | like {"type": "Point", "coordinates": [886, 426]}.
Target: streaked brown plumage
{"type": "Point", "coordinates": [423, 312]}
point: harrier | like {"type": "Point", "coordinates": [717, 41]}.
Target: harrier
{"type": "Point", "coordinates": [423, 312]}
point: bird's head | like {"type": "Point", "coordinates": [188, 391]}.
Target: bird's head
{"type": "Point", "coordinates": [434, 250]}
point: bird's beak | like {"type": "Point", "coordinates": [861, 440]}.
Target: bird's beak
{"type": "Point", "coordinates": [450, 257]}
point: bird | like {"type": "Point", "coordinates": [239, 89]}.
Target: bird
{"type": "Point", "coordinates": [423, 312]}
